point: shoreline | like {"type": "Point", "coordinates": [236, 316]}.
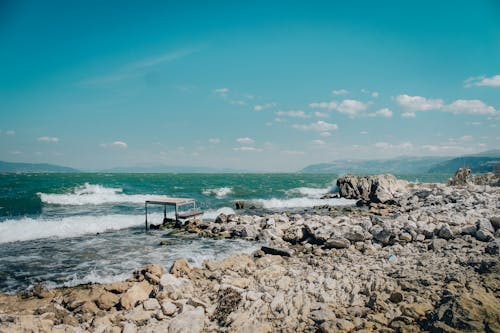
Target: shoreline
{"type": "Point", "coordinates": [412, 257]}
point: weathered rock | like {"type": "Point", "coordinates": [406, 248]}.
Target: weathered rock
{"type": "Point", "coordinates": [337, 243]}
{"type": "Point", "coordinates": [189, 321]}
{"type": "Point", "coordinates": [107, 300]}
{"type": "Point", "coordinates": [180, 268]}
{"type": "Point", "coordinates": [295, 234]}
{"type": "Point", "coordinates": [136, 294]}
{"type": "Point", "coordinates": [278, 251]}
{"type": "Point", "coordinates": [380, 188]}
{"type": "Point", "coordinates": [168, 308]}
{"type": "Point", "coordinates": [151, 304]}
{"type": "Point", "coordinates": [462, 177]}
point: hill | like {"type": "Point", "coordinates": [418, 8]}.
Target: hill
{"type": "Point", "coordinates": [33, 167]}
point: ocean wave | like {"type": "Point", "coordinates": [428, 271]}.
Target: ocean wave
{"type": "Point", "coordinates": [219, 192]}
{"type": "Point", "coordinates": [29, 229]}
{"type": "Point", "coordinates": [93, 194]}
{"type": "Point", "coordinates": [309, 192]}
{"type": "Point", "coordinates": [302, 202]}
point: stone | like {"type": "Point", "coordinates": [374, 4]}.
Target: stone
{"type": "Point", "coordinates": [168, 308]}
{"type": "Point", "coordinates": [189, 321]}
{"type": "Point", "coordinates": [378, 188]}
{"type": "Point", "coordinates": [320, 316]}
{"type": "Point", "coordinates": [138, 315]}
{"type": "Point", "coordinates": [462, 177]}
{"type": "Point", "coordinates": [484, 235]}
{"type": "Point", "coordinates": [117, 287]}
{"type": "Point", "coordinates": [180, 268]}
{"type": "Point", "coordinates": [294, 235]}
{"type": "Point", "coordinates": [151, 304]}
{"type": "Point", "coordinates": [445, 232]}
{"type": "Point", "coordinates": [493, 247]}
{"type": "Point", "coordinates": [137, 293]}
{"type": "Point", "coordinates": [406, 237]}
{"type": "Point", "coordinates": [396, 297]}
{"type": "Point", "coordinates": [107, 300]}
{"type": "Point", "coordinates": [337, 243]}
{"type": "Point", "coordinates": [495, 222]}
{"type": "Point", "coordinates": [278, 251]}
{"type": "Point", "coordinates": [129, 328]}
{"type": "Point", "coordinates": [41, 291]}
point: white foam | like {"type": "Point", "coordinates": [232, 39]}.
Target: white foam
{"type": "Point", "coordinates": [93, 194]}
{"type": "Point", "coordinates": [302, 202]}
{"type": "Point", "coordinates": [212, 213]}
{"type": "Point", "coordinates": [28, 229]}
{"type": "Point", "coordinates": [219, 192]}
{"type": "Point", "coordinates": [310, 192]}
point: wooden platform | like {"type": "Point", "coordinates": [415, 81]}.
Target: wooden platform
{"type": "Point", "coordinates": [174, 202]}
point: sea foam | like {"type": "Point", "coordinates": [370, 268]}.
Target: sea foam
{"type": "Point", "coordinates": [93, 194]}
{"type": "Point", "coordinates": [302, 202]}
{"type": "Point", "coordinates": [219, 192]}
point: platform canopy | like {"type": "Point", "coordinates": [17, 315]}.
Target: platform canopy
{"type": "Point", "coordinates": [171, 201]}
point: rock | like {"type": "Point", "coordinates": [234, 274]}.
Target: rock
{"type": "Point", "coordinates": [462, 177]}
{"type": "Point", "coordinates": [41, 291]}
{"type": "Point", "coordinates": [117, 287]}
{"type": "Point", "coordinates": [337, 325]}
{"type": "Point", "coordinates": [107, 300]}
{"type": "Point", "coordinates": [396, 297]}
{"type": "Point", "coordinates": [320, 316]}
{"type": "Point", "coordinates": [279, 251]}
{"type": "Point", "coordinates": [221, 218]}
{"type": "Point", "coordinates": [484, 235]}
{"type": "Point", "coordinates": [138, 315]}
{"type": "Point", "coordinates": [337, 243]}
{"type": "Point", "coordinates": [168, 308]}
{"type": "Point", "coordinates": [129, 328]}
{"type": "Point", "coordinates": [379, 188]}
{"type": "Point", "coordinates": [229, 299]}
{"type": "Point", "coordinates": [488, 178]}
{"type": "Point", "coordinates": [493, 247]}
{"type": "Point", "coordinates": [180, 268]}
{"type": "Point", "coordinates": [495, 222]}
{"type": "Point", "coordinates": [294, 235]}
{"type": "Point", "coordinates": [445, 232]}
{"type": "Point", "coordinates": [151, 304]}
{"type": "Point", "coordinates": [189, 321]}
{"type": "Point", "coordinates": [137, 293]}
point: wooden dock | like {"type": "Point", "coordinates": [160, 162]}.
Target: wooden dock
{"type": "Point", "coordinates": [176, 203]}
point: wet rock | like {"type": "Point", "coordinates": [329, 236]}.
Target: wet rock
{"type": "Point", "coordinates": [278, 251]}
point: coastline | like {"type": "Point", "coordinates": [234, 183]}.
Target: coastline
{"type": "Point", "coordinates": [412, 257]}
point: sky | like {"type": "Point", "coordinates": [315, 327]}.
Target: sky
{"type": "Point", "coordinates": [262, 85]}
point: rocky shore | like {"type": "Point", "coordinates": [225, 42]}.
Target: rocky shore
{"type": "Point", "coordinates": [408, 258]}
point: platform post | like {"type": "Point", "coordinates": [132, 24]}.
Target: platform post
{"type": "Point", "coordinates": [146, 213]}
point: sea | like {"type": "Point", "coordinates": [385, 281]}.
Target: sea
{"type": "Point", "coordinates": [64, 229]}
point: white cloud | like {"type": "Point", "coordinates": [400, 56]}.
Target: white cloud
{"type": "Point", "coordinates": [261, 107]}
{"type": "Point", "coordinates": [245, 141]}
{"type": "Point", "coordinates": [390, 146]}
{"type": "Point", "coordinates": [351, 107]}
{"type": "Point", "coordinates": [466, 138]}
{"type": "Point", "coordinates": [340, 92]}
{"type": "Point", "coordinates": [116, 144]}
{"type": "Point", "coordinates": [325, 134]}
{"type": "Point", "coordinates": [214, 141]}
{"type": "Point", "coordinates": [51, 139]}
{"type": "Point", "coordinates": [375, 94]}
{"type": "Point", "coordinates": [408, 115]}
{"type": "Point", "coordinates": [319, 126]}
{"type": "Point", "coordinates": [482, 81]}
{"type": "Point", "coordinates": [470, 106]}
{"type": "Point", "coordinates": [363, 132]}
{"type": "Point", "coordinates": [418, 103]}
{"type": "Point", "coordinates": [293, 114]}
{"type": "Point", "coordinates": [248, 148]}
{"type": "Point", "coordinates": [221, 91]}
{"type": "Point", "coordinates": [318, 142]}
{"type": "Point", "coordinates": [385, 112]}
{"type": "Point", "coordinates": [9, 132]}
{"type": "Point", "coordinates": [324, 105]}
{"type": "Point", "coordinates": [321, 114]}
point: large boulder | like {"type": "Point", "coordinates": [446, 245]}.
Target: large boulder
{"type": "Point", "coordinates": [462, 177]}
{"type": "Point", "coordinates": [138, 293]}
{"type": "Point", "coordinates": [377, 188]}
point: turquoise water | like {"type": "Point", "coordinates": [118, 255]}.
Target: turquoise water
{"type": "Point", "coordinates": [65, 229]}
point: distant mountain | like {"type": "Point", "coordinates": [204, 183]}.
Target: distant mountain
{"type": "Point", "coordinates": [400, 165]}
{"type": "Point", "coordinates": [33, 167]}
{"type": "Point", "coordinates": [479, 163]}
{"type": "Point", "coordinates": [168, 169]}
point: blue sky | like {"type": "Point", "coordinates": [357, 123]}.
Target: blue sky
{"type": "Point", "coordinates": [267, 86]}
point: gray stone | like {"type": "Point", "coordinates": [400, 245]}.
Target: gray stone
{"type": "Point", "coordinates": [337, 243]}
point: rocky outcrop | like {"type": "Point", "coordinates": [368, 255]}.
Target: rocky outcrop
{"type": "Point", "coordinates": [462, 177]}
{"type": "Point", "coordinates": [377, 189]}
